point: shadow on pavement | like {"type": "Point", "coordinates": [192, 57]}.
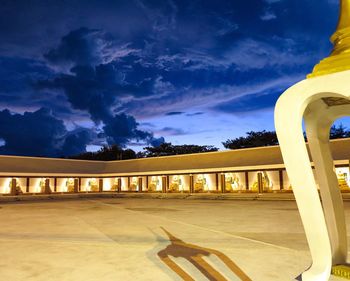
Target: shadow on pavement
{"type": "Point", "coordinates": [194, 254]}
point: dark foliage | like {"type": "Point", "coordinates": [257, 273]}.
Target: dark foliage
{"type": "Point", "coordinates": [253, 139]}
{"type": "Point", "coordinates": [169, 149]}
{"type": "Point", "coordinates": [268, 138]}
{"type": "Point", "coordinates": [339, 132]}
{"type": "Point", "coordinates": [107, 153]}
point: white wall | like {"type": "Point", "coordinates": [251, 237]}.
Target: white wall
{"type": "Point", "coordinates": [210, 181]}
{"type": "Point", "coordinates": [275, 179]}
{"type": "Point", "coordinates": [61, 184]}
{"type": "Point", "coordinates": [134, 184]}
{"type": "Point", "coordinates": [108, 183]}
{"type": "Point", "coordinates": [157, 180]}
{"type": "Point", "coordinates": [241, 184]}
{"type": "Point", "coordinates": [5, 185]}
{"type": "Point", "coordinates": [185, 182]}
{"type": "Point", "coordinates": [34, 184]}
{"type": "Point", "coordinates": [124, 186]}
{"type": "Point", "coordinates": [252, 178]}
{"type": "Point", "coordinates": [22, 182]}
{"type": "Point", "coordinates": [86, 184]}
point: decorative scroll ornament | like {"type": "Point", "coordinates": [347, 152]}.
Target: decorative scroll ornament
{"type": "Point", "coordinates": [339, 59]}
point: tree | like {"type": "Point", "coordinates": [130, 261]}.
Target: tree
{"type": "Point", "coordinates": [268, 138]}
{"type": "Point", "coordinates": [169, 149]}
{"type": "Point", "coordinates": [107, 153]}
{"type": "Point", "coordinates": [253, 139]}
{"type": "Point", "coordinates": [339, 132]}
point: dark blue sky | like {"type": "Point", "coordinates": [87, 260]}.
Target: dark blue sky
{"type": "Point", "coordinates": [78, 74]}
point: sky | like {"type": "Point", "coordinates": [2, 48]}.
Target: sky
{"type": "Point", "coordinates": [79, 74]}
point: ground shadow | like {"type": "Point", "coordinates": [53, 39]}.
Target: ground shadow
{"type": "Point", "coordinates": [194, 254]}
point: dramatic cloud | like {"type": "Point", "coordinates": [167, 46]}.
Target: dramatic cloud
{"type": "Point", "coordinates": [122, 128]}
{"type": "Point", "coordinates": [39, 133]}
{"type": "Point", "coordinates": [110, 65]}
{"type": "Point", "coordinates": [79, 47]}
{"type": "Point", "coordinates": [94, 89]}
{"type": "Point", "coordinates": [96, 85]}
{"type": "Point", "coordinates": [75, 142]}
{"type": "Point", "coordinates": [17, 75]}
{"type": "Point", "coordinates": [87, 47]}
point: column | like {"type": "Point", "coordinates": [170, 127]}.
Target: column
{"type": "Point", "coordinates": [281, 179]}
{"type": "Point", "coordinates": [76, 185]}
{"type": "Point", "coordinates": [260, 183]}
{"type": "Point", "coordinates": [246, 180]}
{"type": "Point", "coordinates": [119, 184]}
{"type": "Point", "coordinates": [164, 184]}
{"type": "Point", "coordinates": [167, 182]}
{"type": "Point", "coordinates": [191, 183]}
{"type": "Point", "coordinates": [27, 185]}
{"type": "Point", "coordinates": [140, 184]}
{"type": "Point", "coordinates": [13, 187]}
{"type": "Point", "coordinates": [47, 186]}
{"type": "Point", "coordinates": [217, 182]}
{"type": "Point", "coordinates": [223, 182]}
{"type": "Point", "coordinates": [100, 185]}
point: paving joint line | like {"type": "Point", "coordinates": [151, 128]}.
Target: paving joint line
{"type": "Point", "coordinates": [205, 228]}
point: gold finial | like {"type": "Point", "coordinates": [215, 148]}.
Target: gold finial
{"type": "Point", "coordinates": [339, 59]}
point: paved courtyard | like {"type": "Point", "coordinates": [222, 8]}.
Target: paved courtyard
{"type": "Point", "coordinates": [152, 239]}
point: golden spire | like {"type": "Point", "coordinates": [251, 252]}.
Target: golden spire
{"type": "Point", "coordinates": [339, 59]}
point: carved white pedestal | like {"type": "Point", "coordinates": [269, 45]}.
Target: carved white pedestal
{"type": "Point", "coordinates": [319, 102]}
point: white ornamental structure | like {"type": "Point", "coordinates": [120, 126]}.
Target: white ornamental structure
{"type": "Point", "coordinates": [319, 100]}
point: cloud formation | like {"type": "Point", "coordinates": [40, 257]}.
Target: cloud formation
{"type": "Point", "coordinates": [96, 85]}
{"type": "Point", "coordinates": [86, 46]}
{"type": "Point", "coordinates": [39, 133]}
{"type": "Point", "coordinates": [111, 65]}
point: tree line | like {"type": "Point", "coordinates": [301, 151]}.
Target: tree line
{"type": "Point", "coordinates": [115, 152]}
{"type": "Point", "coordinates": [252, 139]}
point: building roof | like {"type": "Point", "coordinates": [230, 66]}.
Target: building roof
{"type": "Point", "coordinates": [17, 165]}
{"type": "Point", "coordinates": [241, 159]}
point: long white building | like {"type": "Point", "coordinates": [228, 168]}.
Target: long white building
{"type": "Point", "coordinates": [254, 170]}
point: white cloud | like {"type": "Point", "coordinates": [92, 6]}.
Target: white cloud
{"type": "Point", "coordinates": [204, 99]}
{"type": "Point", "coordinates": [246, 54]}
{"type": "Point", "coordinates": [268, 15]}
{"type": "Point", "coordinates": [110, 52]}
{"type": "Point", "coordinates": [252, 54]}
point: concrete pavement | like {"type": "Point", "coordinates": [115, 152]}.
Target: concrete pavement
{"type": "Point", "coordinates": [151, 239]}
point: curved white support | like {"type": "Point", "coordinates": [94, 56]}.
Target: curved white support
{"type": "Point", "coordinates": [288, 121]}
{"type": "Point", "coordinates": [289, 112]}
{"type": "Point", "coordinates": [318, 121]}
